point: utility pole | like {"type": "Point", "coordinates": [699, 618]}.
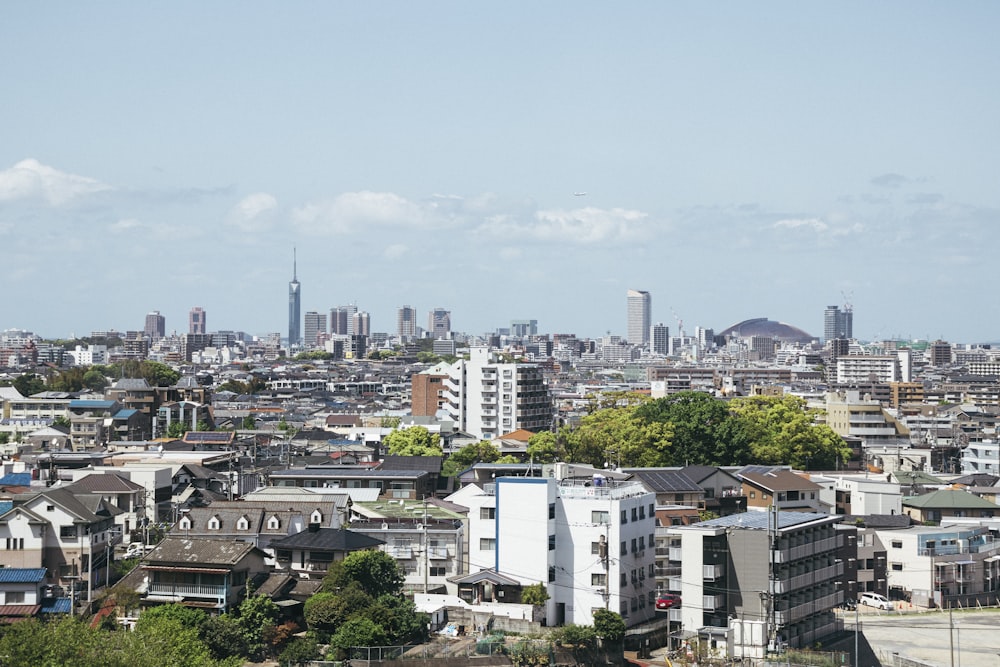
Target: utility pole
{"type": "Point", "coordinates": [951, 635]}
{"type": "Point", "coordinates": [427, 552]}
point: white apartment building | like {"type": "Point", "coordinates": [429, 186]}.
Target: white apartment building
{"type": "Point", "coordinates": [859, 495]}
{"type": "Point", "coordinates": [488, 399]}
{"type": "Point", "coordinates": [591, 542]}
{"type": "Point", "coordinates": [860, 369]}
{"type": "Point", "coordinates": [982, 457]}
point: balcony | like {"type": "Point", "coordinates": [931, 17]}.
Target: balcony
{"type": "Point", "coordinates": [710, 572]}
{"type": "Point", "coordinates": [187, 590]}
{"type": "Point", "coordinates": [800, 611]}
{"type": "Point", "coordinates": [808, 579]}
{"type": "Point", "coordinates": [712, 602]}
{"type": "Point", "coordinates": [787, 555]}
{"type": "Point", "coordinates": [675, 553]}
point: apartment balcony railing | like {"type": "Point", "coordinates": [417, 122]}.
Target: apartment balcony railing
{"type": "Point", "coordinates": [187, 590]}
{"type": "Point", "coordinates": [807, 579]}
{"type": "Point", "coordinates": [712, 602]}
{"type": "Point", "coordinates": [804, 609]}
{"type": "Point", "coordinates": [711, 572]}
{"type": "Point", "coordinates": [790, 554]}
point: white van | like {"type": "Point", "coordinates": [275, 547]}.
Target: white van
{"type": "Point", "coordinates": [874, 600]}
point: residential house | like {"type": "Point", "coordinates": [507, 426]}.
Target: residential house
{"type": "Point", "coordinates": [309, 553]}
{"type": "Point", "coordinates": [91, 422]}
{"type": "Point", "coordinates": [767, 486]}
{"type": "Point", "coordinates": [943, 504]}
{"type": "Point", "coordinates": [20, 592]}
{"type": "Point", "coordinates": [723, 491]}
{"type": "Point", "coordinates": [126, 495]}
{"type": "Point", "coordinates": [22, 537]}
{"type": "Point", "coordinates": [209, 574]}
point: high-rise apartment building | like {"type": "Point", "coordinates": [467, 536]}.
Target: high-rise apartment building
{"type": "Point", "coordinates": [294, 305]}
{"type": "Point", "coordinates": [639, 310]}
{"type": "Point", "coordinates": [660, 339]}
{"type": "Point", "coordinates": [196, 321]}
{"type": "Point", "coordinates": [156, 325]}
{"type": "Point", "coordinates": [439, 323]}
{"type": "Point", "coordinates": [406, 323]}
{"type": "Point", "coordinates": [362, 325]}
{"type": "Point", "coordinates": [488, 399]}
{"type": "Point", "coordinates": [523, 328]}
{"type": "Point", "coordinates": [315, 324]}
{"type": "Point", "coordinates": [340, 321]}
{"type": "Point", "coordinates": [838, 323]}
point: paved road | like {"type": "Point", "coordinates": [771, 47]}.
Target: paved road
{"type": "Point", "coordinates": [924, 636]}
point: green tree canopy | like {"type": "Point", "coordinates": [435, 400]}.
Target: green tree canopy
{"type": "Point", "coordinates": [477, 452]}
{"type": "Point", "coordinates": [699, 422]}
{"type": "Point", "coordinates": [413, 441]}
{"type": "Point", "coordinates": [377, 572]}
{"type": "Point", "coordinates": [29, 384]}
{"type": "Point", "coordinates": [356, 632]}
{"type": "Point", "coordinates": [609, 625]}
{"type": "Point", "coordinates": [534, 594]}
{"type": "Point", "coordinates": [783, 430]}
{"type": "Point", "coordinates": [618, 436]}
{"type": "Point", "coordinates": [542, 447]}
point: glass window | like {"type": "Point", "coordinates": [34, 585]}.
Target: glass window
{"type": "Point", "coordinates": [487, 543]}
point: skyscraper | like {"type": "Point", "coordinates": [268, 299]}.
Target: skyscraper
{"type": "Point", "coordinates": [439, 323]}
{"type": "Point", "coordinates": [340, 321]}
{"type": "Point", "coordinates": [156, 325]}
{"type": "Point", "coordinates": [294, 305]}
{"type": "Point", "coordinates": [406, 322]}
{"type": "Point", "coordinates": [838, 323]}
{"type": "Point", "coordinates": [639, 316]}
{"type": "Point", "coordinates": [660, 339]}
{"type": "Point", "coordinates": [196, 320]}
{"type": "Point", "coordinates": [315, 323]}
{"type": "Point", "coordinates": [362, 324]}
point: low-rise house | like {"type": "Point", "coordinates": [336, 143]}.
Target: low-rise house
{"type": "Point", "coordinates": [310, 552]}
{"type": "Point", "coordinates": [20, 592]}
{"type": "Point", "coordinates": [204, 573]}
{"type": "Point", "coordinates": [22, 538]}
{"type": "Point", "coordinates": [126, 495]}
{"type": "Point", "coordinates": [397, 484]}
{"type": "Point", "coordinates": [766, 486]}
{"type": "Point", "coordinates": [948, 503]}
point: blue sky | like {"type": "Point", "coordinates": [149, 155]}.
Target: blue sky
{"type": "Point", "coordinates": [740, 160]}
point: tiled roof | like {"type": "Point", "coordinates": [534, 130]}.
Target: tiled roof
{"type": "Point", "coordinates": [779, 480]}
{"type": "Point", "coordinates": [327, 539]}
{"type": "Point", "coordinates": [199, 551]}
{"type": "Point", "coordinates": [949, 499]}
{"type": "Point", "coordinates": [16, 479]}
{"type": "Point", "coordinates": [131, 384]}
{"type": "Point", "coordinates": [431, 464]}
{"type": "Point", "coordinates": [105, 483]}
{"type": "Point", "coordinates": [56, 605]}
{"type": "Point", "coordinates": [21, 575]}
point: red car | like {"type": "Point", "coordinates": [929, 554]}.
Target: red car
{"type": "Point", "coordinates": [668, 600]}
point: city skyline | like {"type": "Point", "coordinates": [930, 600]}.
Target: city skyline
{"type": "Point", "coordinates": [735, 164]}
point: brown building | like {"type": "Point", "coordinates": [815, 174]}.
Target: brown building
{"type": "Point", "coordinates": [426, 394]}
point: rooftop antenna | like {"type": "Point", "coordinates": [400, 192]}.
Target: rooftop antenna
{"type": "Point", "coordinates": [295, 264]}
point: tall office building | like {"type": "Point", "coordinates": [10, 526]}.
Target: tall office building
{"type": "Point", "coordinates": [340, 321]}
{"type": "Point", "coordinates": [439, 323]}
{"type": "Point", "coordinates": [294, 305]}
{"type": "Point", "coordinates": [196, 321]}
{"type": "Point", "coordinates": [660, 339]}
{"type": "Point", "coordinates": [315, 324]}
{"type": "Point", "coordinates": [156, 325]}
{"type": "Point", "coordinates": [639, 307]}
{"type": "Point", "coordinates": [362, 325]}
{"type": "Point", "coordinates": [838, 323]}
{"type": "Point", "coordinates": [523, 328]}
{"type": "Point", "coordinates": [406, 322]}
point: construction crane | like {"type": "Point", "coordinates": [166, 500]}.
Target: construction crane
{"type": "Point", "coordinates": [680, 323]}
{"type": "Point", "coordinates": [848, 298]}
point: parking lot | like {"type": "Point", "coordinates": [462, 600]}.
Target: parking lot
{"type": "Point", "coordinates": [924, 636]}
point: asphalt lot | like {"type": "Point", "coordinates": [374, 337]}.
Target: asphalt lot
{"type": "Point", "coordinates": [924, 636]}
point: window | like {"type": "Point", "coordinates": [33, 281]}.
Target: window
{"type": "Point", "coordinates": [623, 579]}
{"type": "Point", "coordinates": [242, 524]}
{"type": "Point", "coordinates": [897, 544]}
{"type": "Point", "coordinates": [552, 542]}
{"type": "Point", "coordinates": [184, 523]}
{"type": "Point", "coordinates": [487, 543]}
{"type": "Point", "coordinates": [15, 543]}
{"type": "Point", "coordinates": [595, 548]}
{"type": "Point", "coordinates": [316, 517]}
{"type": "Point", "coordinates": [642, 511]}
{"type": "Point", "coordinates": [214, 523]}
{"type": "Point", "coordinates": [552, 574]}
{"type": "Point", "coordinates": [652, 509]}
{"type": "Point", "coordinates": [623, 550]}
{"type": "Point", "coordinates": [487, 513]}
{"type": "Point", "coordinates": [600, 517]}
{"type": "Point", "coordinates": [634, 543]}
{"type": "Point", "coordinates": [753, 494]}
{"type": "Point", "coordinates": [66, 532]}
{"type": "Point", "coordinates": [651, 572]}
{"type": "Point", "coordinates": [273, 523]}
{"type": "Point", "coordinates": [897, 567]}
{"type": "Point", "coordinates": [15, 597]}
{"type": "Point", "coordinates": [642, 543]}
{"type": "Point", "coordinates": [598, 579]}
{"type": "Point", "coordinates": [438, 571]}
{"type": "Point", "coordinates": [635, 514]}
{"type": "Point", "coordinates": [624, 517]}
{"type": "Point", "coordinates": [552, 510]}
{"type": "Point", "coordinates": [50, 508]}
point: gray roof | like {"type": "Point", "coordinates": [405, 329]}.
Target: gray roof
{"type": "Point", "coordinates": [131, 384]}
{"type": "Point", "coordinates": [327, 539]}
{"type": "Point", "coordinates": [671, 481]}
{"type": "Point", "coordinates": [759, 520]}
{"type": "Point", "coordinates": [199, 551]}
{"type": "Point", "coordinates": [105, 483]}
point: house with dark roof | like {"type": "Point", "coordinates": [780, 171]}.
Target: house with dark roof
{"type": "Point", "coordinates": [723, 490]}
{"type": "Point", "coordinates": [310, 552]}
{"type": "Point", "coordinates": [20, 592]}
{"type": "Point", "coordinates": [399, 484]}
{"type": "Point", "coordinates": [91, 422]}
{"type": "Point", "coordinates": [204, 573]}
{"type": "Point", "coordinates": [126, 495]}
{"type": "Point", "coordinates": [671, 486]}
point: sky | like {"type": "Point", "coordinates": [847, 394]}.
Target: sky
{"type": "Point", "coordinates": [739, 160]}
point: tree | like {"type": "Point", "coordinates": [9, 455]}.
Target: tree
{"type": "Point", "coordinates": [256, 616]}
{"type": "Point", "coordinates": [29, 384]}
{"type": "Point", "coordinates": [783, 430]}
{"type": "Point", "coordinates": [176, 429]}
{"type": "Point", "coordinates": [158, 375]}
{"type": "Point", "coordinates": [413, 441]}
{"type": "Point", "coordinates": [484, 451]}
{"type": "Point", "coordinates": [577, 635]}
{"type": "Point", "coordinates": [377, 572]}
{"type": "Point", "coordinates": [94, 380]}
{"type": "Point", "coordinates": [326, 611]}
{"type": "Point", "coordinates": [249, 423]}
{"type": "Point", "coordinates": [399, 618]}
{"type": "Point", "coordinates": [535, 594]}
{"type": "Point", "coordinates": [609, 625]}
{"type": "Point", "coordinates": [299, 651]}
{"type": "Point", "coordinates": [618, 436]}
{"type": "Point", "coordinates": [699, 424]}
{"type": "Point", "coordinates": [189, 617]}
{"type": "Point", "coordinates": [542, 447]}
{"type": "Point", "coordinates": [224, 637]}
{"type": "Point", "coordinates": [356, 632]}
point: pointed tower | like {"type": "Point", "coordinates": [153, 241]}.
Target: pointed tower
{"type": "Point", "coordinates": [294, 305]}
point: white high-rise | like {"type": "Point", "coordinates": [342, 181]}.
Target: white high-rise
{"type": "Point", "coordinates": [639, 312]}
{"type": "Point", "coordinates": [488, 399]}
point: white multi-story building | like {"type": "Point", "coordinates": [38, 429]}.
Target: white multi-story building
{"type": "Point", "coordinates": [981, 457]}
{"type": "Point", "coordinates": [639, 309]}
{"type": "Point", "coordinates": [590, 542]}
{"type": "Point", "coordinates": [860, 369]}
{"type": "Point", "coordinates": [487, 399]}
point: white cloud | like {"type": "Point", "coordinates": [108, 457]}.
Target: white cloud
{"type": "Point", "coordinates": [30, 179]}
{"type": "Point", "coordinates": [795, 223]}
{"type": "Point", "coordinates": [354, 210]}
{"type": "Point", "coordinates": [580, 226]}
{"type": "Point", "coordinates": [254, 212]}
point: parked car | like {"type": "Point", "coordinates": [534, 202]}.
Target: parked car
{"type": "Point", "coordinates": [138, 550]}
{"type": "Point", "coordinates": [874, 600]}
{"type": "Point", "coordinates": [668, 601]}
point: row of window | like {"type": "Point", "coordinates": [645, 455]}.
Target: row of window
{"type": "Point", "coordinates": [638, 513]}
